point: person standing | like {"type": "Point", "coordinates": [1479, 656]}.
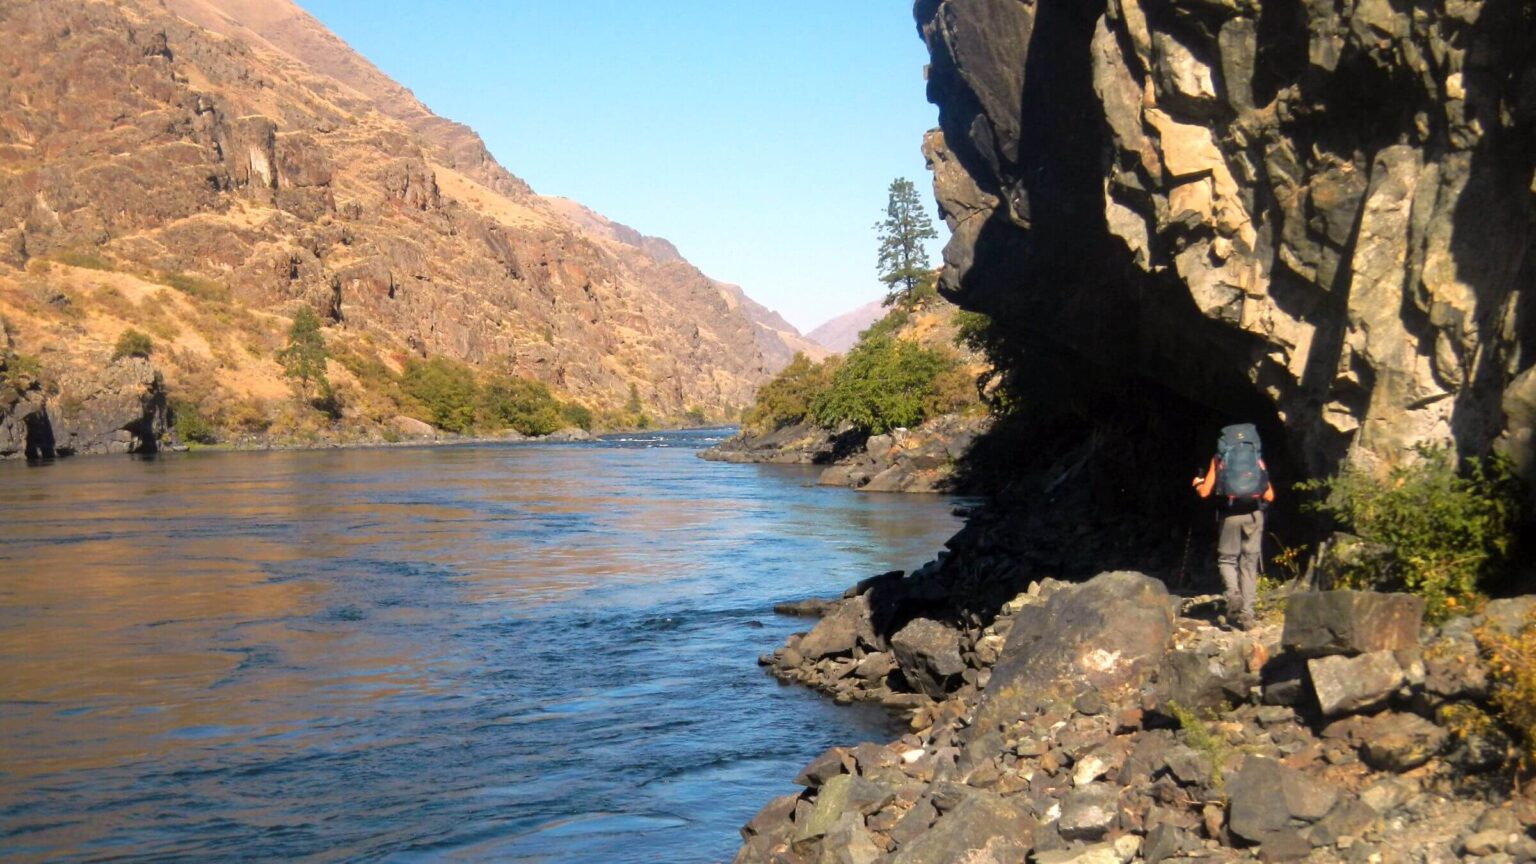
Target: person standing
{"type": "Point", "coordinates": [1239, 480]}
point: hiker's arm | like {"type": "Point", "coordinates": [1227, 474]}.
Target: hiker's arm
{"type": "Point", "coordinates": [1204, 485]}
{"type": "Point", "coordinates": [1269, 487]}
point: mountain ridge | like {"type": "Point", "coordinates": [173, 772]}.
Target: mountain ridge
{"type": "Point", "coordinates": [201, 187]}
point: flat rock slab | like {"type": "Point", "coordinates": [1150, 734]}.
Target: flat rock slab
{"type": "Point", "coordinates": [1345, 685]}
{"type": "Point", "coordinates": [1321, 623]}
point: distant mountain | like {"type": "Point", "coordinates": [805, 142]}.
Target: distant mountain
{"type": "Point", "coordinates": [200, 169]}
{"type": "Point", "coordinates": [840, 333]}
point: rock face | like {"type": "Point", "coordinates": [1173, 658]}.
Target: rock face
{"type": "Point", "coordinates": [1318, 215]}
{"type": "Point", "coordinates": [241, 156]}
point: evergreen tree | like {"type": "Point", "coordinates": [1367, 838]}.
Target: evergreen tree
{"type": "Point", "coordinates": [903, 262]}
{"type": "Point", "coordinates": [303, 360]}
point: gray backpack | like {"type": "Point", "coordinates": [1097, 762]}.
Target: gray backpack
{"type": "Point", "coordinates": [1239, 463]}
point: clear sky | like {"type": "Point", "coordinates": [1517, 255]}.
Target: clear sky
{"type": "Point", "coordinates": [758, 137]}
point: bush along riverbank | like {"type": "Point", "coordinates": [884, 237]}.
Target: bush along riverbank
{"type": "Point", "coordinates": [1110, 721]}
{"type": "Point", "coordinates": [895, 415]}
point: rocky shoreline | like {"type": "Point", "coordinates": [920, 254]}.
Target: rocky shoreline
{"type": "Point", "coordinates": [903, 460]}
{"type": "Point", "coordinates": [1110, 720]}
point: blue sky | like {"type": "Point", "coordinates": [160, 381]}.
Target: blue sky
{"type": "Point", "coordinates": [760, 138]}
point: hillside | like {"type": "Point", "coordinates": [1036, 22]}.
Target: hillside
{"type": "Point", "coordinates": [199, 176]}
{"type": "Point", "coordinates": [840, 333]}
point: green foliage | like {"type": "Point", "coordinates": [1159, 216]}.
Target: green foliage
{"type": "Point", "coordinates": [1448, 530]}
{"type": "Point", "coordinates": [888, 324]}
{"type": "Point", "coordinates": [1511, 663]}
{"type": "Point", "coordinates": [902, 261]}
{"type": "Point", "coordinates": [20, 372]}
{"type": "Point", "coordinates": [87, 258]}
{"type": "Point", "coordinates": [189, 423]}
{"type": "Point", "coordinates": [446, 389]}
{"type": "Point", "coordinates": [132, 343]}
{"type": "Point", "coordinates": [633, 406]}
{"type": "Point", "coordinates": [195, 286]}
{"type": "Point", "coordinates": [885, 383]}
{"type": "Point", "coordinates": [303, 359]}
{"type": "Point", "coordinates": [1201, 738]}
{"type": "Point", "coordinates": [695, 416]}
{"type": "Point", "coordinates": [521, 404]}
{"type": "Point", "coordinates": [576, 415]}
{"type": "Point", "coordinates": [786, 400]}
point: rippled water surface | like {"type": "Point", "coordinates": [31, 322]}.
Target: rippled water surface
{"type": "Point", "coordinates": [513, 652]}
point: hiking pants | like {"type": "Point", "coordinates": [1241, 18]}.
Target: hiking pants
{"type": "Point", "coordinates": [1237, 557]}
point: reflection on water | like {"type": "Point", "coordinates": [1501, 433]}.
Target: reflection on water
{"type": "Point", "coordinates": [511, 652]}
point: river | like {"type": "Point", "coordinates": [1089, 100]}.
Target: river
{"type": "Point", "coordinates": [506, 652]}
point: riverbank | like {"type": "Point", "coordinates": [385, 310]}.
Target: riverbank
{"type": "Point", "coordinates": [1112, 720]}
{"type": "Point", "coordinates": [922, 459]}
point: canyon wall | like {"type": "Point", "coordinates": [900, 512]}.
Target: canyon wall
{"type": "Point", "coordinates": [203, 168]}
{"type": "Point", "coordinates": [1316, 213]}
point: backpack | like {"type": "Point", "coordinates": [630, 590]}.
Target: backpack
{"type": "Point", "coordinates": [1239, 463]}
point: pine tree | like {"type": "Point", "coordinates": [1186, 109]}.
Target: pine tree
{"type": "Point", "coordinates": [303, 359]}
{"type": "Point", "coordinates": [903, 262]}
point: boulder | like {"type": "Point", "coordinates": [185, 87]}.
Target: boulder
{"type": "Point", "coordinates": [928, 654]}
{"type": "Point", "coordinates": [1266, 797]}
{"type": "Point", "coordinates": [981, 824]}
{"type": "Point", "coordinates": [1089, 813]}
{"type": "Point", "coordinates": [1321, 623]}
{"type": "Point", "coordinates": [1204, 679]}
{"type": "Point", "coordinates": [1109, 634]}
{"type": "Point", "coordinates": [841, 628]}
{"type": "Point", "coordinates": [410, 427]}
{"type": "Point", "coordinates": [1400, 742]}
{"type": "Point", "coordinates": [1350, 684]}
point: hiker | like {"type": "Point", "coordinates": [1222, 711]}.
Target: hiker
{"type": "Point", "coordinates": [1239, 479]}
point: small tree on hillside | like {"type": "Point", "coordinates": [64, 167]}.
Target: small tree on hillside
{"type": "Point", "coordinates": [303, 359]}
{"type": "Point", "coordinates": [903, 262]}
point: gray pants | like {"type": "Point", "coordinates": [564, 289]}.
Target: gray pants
{"type": "Point", "coordinates": [1237, 558]}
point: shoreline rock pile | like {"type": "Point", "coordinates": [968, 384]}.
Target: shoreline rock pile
{"type": "Point", "coordinates": [922, 459]}
{"type": "Point", "coordinates": [1103, 722]}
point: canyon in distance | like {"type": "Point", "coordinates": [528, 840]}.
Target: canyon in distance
{"type": "Point", "coordinates": [929, 583]}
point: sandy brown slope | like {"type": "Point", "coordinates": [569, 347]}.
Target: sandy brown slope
{"type": "Point", "coordinates": [137, 143]}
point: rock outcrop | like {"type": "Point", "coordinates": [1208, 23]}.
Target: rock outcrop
{"type": "Point", "coordinates": [1318, 215]}
{"type": "Point", "coordinates": [1070, 728]}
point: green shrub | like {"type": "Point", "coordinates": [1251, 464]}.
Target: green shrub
{"type": "Point", "coordinates": [87, 258]}
{"type": "Point", "coordinates": [189, 423]}
{"type": "Point", "coordinates": [1447, 530]}
{"type": "Point", "coordinates": [576, 415]}
{"type": "Point", "coordinates": [20, 372]}
{"type": "Point", "coordinates": [786, 400]}
{"type": "Point", "coordinates": [521, 404]}
{"type": "Point", "coordinates": [887, 326]}
{"type": "Point", "coordinates": [132, 343]}
{"type": "Point", "coordinates": [885, 383]}
{"type": "Point", "coordinates": [1511, 662]}
{"type": "Point", "coordinates": [195, 286]}
{"type": "Point", "coordinates": [445, 389]}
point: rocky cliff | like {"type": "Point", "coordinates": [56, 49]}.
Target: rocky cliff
{"type": "Point", "coordinates": [1316, 214]}
{"type": "Point", "coordinates": [200, 170]}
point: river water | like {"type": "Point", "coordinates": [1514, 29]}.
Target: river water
{"type": "Point", "coordinates": [492, 652]}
